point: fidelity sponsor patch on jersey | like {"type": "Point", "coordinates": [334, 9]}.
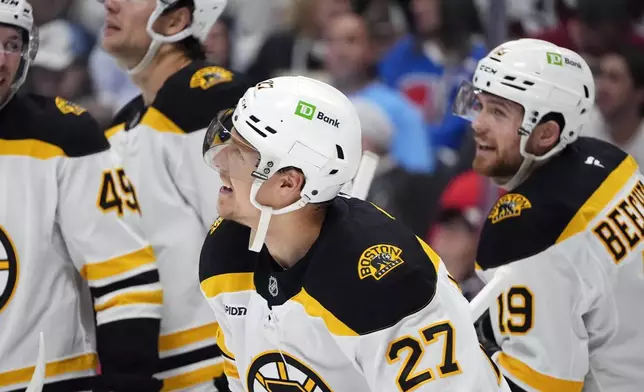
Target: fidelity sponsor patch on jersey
{"type": "Point", "coordinates": [207, 77]}
{"type": "Point", "coordinates": [378, 260]}
{"type": "Point", "coordinates": [216, 224]}
{"type": "Point", "coordinates": [67, 107]}
{"type": "Point", "coordinates": [508, 206]}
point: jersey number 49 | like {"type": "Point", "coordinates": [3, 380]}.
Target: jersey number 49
{"type": "Point", "coordinates": [117, 193]}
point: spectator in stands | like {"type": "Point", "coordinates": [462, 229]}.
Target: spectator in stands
{"type": "Point", "coordinates": [620, 99]}
{"type": "Point", "coordinates": [594, 27]}
{"type": "Point", "coordinates": [386, 20]}
{"type": "Point", "coordinates": [217, 46]}
{"type": "Point", "coordinates": [60, 67]}
{"type": "Point", "coordinates": [454, 236]}
{"type": "Point", "coordinates": [351, 65]}
{"type": "Point", "coordinates": [301, 50]}
{"type": "Point", "coordinates": [430, 64]}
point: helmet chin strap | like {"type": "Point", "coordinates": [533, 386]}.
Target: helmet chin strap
{"type": "Point", "coordinates": [258, 236]}
{"type": "Point", "coordinates": [147, 59]}
{"type": "Point", "coordinates": [530, 162]}
{"type": "Point", "coordinates": [157, 41]}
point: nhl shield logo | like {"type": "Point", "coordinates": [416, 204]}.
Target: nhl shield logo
{"type": "Point", "coordinates": [8, 268]}
{"type": "Point", "coordinates": [508, 206]}
{"type": "Point", "coordinates": [272, 286]}
{"type": "Point", "coordinates": [378, 260]}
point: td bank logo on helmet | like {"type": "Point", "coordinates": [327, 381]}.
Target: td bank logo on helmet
{"type": "Point", "coordinates": [308, 111]}
{"type": "Point", "coordinates": [557, 59]}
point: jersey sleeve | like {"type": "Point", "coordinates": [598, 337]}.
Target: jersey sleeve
{"type": "Point", "coordinates": [538, 321]}
{"type": "Point", "coordinates": [191, 100]}
{"type": "Point", "coordinates": [116, 262]}
{"type": "Point", "coordinates": [197, 182]}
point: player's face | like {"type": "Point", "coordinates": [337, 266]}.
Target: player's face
{"type": "Point", "coordinates": [10, 57]}
{"type": "Point", "coordinates": [616, 92]}
{"type": "Point", "coordinates": [348, 53]}
{"type": "Point", "coordinates": [496, 136]}
{"type": "Point", "coordinates": [124, 33]}
{"type": "Point", "coordinates": [217, 45]}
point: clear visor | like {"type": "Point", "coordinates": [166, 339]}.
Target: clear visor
{"type": "Point", "coordinates": [226, 151]}
{"type": "Point", "coordinates": [467, 104]}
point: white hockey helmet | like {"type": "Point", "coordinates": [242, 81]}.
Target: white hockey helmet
{"type": "Point", "coordinates": [204, 17]}
{"type": "Point", "coordinates": [541, 77]}
{"type": "Point", "coordinates": [291, 121]}
{"type": "Point", "coordinates": [18, 13]}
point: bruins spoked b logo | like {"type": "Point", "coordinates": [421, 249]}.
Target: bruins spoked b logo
{"type": "Point", "coordinates": [280, 372]}
{"type": "Point", "coordinates": [8, 268]}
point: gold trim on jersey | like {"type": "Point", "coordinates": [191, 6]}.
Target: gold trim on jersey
{"type": "Point", "coordinates": [228, 283]}
{"type": "Point", "coordinates": [30, 148]}
{"type": "Point", "coordinates": [535, 379]}
{"type": "Point", "coordinates": [314, 309]}
{"type": "Point", "coordinates": [118, 265]}
{"type": "Point", "coordinates": [190, 336]}
{"type": "Point", "coordinates": [230, 369]}
{"type": "Point", "coordinates": [433, 256]}
{"type": "Point", "coordinates": [221, 343]}
{"type": "Point", "coordinates": [196, 377]}
{"type": "Point", "coordinates": [130, 298]}
{"type": "Point", "coordinates": [158, 121]}
{"type": "Point", "coordinates": [611, 186]}
{"type": "Point", "coordinates": [70, 365]}
{"type": "Point", "coordinates": [114, 130]}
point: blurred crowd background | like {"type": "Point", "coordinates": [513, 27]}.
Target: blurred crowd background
{"type": "Point", "coordinates": [401, 62]}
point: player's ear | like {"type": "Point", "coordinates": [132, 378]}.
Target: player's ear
{"type": "Point", "coordinates": [546, 136]}
{"type": "Point", "coordinates": [174, 21]}
{"type": "Point", "coordinates": [291, 183]}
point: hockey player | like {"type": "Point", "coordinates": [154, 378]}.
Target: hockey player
{"type": "Point", "coordinates": [568, 232]}
{"type": "Point", "coordinates": [159, 137]}
{"type": "Point", "coordinates": [333, 294]}
{"type": "Point", "coordinates": [60, 204]}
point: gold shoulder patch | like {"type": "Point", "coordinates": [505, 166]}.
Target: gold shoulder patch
{"type": "Point", "coordinates": [378, 260]}
{"type": "Point", "coordinates": [508, 206]}
{"type": "Point", "coordinates": [207, 77]}
{"type": "Point", "coordinates": [67, 107]}
{"type": "Point", "coordinates": [216, 224]}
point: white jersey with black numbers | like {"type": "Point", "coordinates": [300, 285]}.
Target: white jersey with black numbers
{"type": "Point", "coordinates": [160, 146]}
{"type": "Point", "coordinates": [369, 308]}
{"type": "Point", "coordinates": [571, 315]}
{"type": "Point", "coordinates": [68, 261]}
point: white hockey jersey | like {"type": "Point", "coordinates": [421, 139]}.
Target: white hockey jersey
{"type": "Point", "coordinates": [160, 147]}
{"type": "Point", "coordinates": [59, 224]}
{"type": "Point", "coordinates": [369, 308]}
{"type": "Point", "coordinates": [571, 315]}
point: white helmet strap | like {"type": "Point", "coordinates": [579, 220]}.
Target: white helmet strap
{"type": "Point", "coordinates": [258, 237]}
{"type": "Point", "coordinates": [157, 40]}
